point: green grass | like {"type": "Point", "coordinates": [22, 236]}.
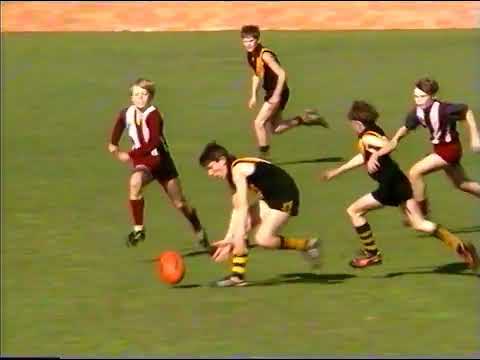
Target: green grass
{"type": "Point", "coordinates": [69, 284]}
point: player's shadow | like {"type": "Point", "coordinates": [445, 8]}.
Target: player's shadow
{"type": "Point", "coordinates": [305, 278]}
{"type": "Point", "coordinates": [460, 230]}
{"type": "Point", "coordinates": [186, 286]}
{"type": "Point", "coordinates": [192, 253]}
{"type": "Point", "coordinates": [309, 161]}
{"type": "Point", "coordinates": [466, 229]}
{"type": "Point", "coordinates": [456, 268]}
{"type": "Point", "coordinates": [283, 279]}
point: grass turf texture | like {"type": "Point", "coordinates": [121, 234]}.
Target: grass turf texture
{"type": "Point", "coordinates": [69, 284]}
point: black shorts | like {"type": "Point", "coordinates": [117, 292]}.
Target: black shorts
{"type": "Point", "coordinates": [283, 97]}
{"type": "Point", "coordinates": [287, 201]}
{"type": "Point", "coordinates": [289, 206]}
{"type": "Point", "coordinates": [166, 170]}
{"type": "Point", "coordinates": [394, 192]}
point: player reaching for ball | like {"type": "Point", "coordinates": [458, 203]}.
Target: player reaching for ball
{"type": "Point", "coordinates": [264, 198]}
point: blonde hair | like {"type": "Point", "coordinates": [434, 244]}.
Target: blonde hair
{"type": "Point", "coordinates": [146, 84]}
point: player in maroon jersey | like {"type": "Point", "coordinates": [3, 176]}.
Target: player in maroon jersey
{"type": "Point", "coordinates": [150, 159]}
{"type": "Point", "coordinates": [265, 65]}
{"type": "Point", "coordinates": [394, 189]}
{"type": "Point", "coordinates": [441, 120]}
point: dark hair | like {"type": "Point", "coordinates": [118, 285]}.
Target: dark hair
{"type": "Point", "coordinates": [362, 111]}
{"type": "Point", "coordinates": [250, 30]}
{"type": "Point", "coordinates": [427, 85]}
{"type": "Point", "coordinates": [213, 152]}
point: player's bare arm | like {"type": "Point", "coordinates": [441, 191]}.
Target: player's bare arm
{"type": "Point", "coordinates": [112, 148]}
{"type": "Point", "coordinates": [117, 133]}
{"type": "Point", "coordinates": [234, 240]}
{"type": "Point", "coordinates": [224, 247]}
{"type": "Point", "coordinates": [228, 238]}
{"type": "Point", "coordinates": [239, 177]}
{"type": "Point", "coordinates": [280, 72]}
{"type": "Point", "coordinates": [372, 143]}
{"type": "Point", "coordinates": [473, 130]}
{"type": "Point", "coordinates": [354, 162]}
{"type": "Point", "coordinates": [387, 148]}
{"type": "Point", "coordinates": [253, 98]}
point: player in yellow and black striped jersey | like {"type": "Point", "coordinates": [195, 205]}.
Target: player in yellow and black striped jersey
{"type": "Point", "coordinates": [264, 197]}
{"type": "Point", "coordinates": [266, 66]}
{"type": "Point", "coordinates": [394, 189]}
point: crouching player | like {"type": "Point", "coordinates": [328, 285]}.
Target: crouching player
{"type": "Point", "coordinates": [276, 199]}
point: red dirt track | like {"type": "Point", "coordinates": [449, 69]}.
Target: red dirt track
{"type": "Point", "coordinates": [223, 15]}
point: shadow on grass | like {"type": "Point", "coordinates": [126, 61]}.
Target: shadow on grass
{"type": "Point", "coordinates": [186, 286]}
{"type": "Point", "coordinates": [309, 161]}
{"type": "Point", "coordinates": [466, 229]}
{"type": "Point", "coordinates": [457, 268]}
{"type": "Point", "coordinates": [283, 279]}
{"type": "Point", "coordinates": [295, 278]}
{"type": "Point", "coordinates": [192, 253]}
{"type": "Point", "coordinates": [461, 230]}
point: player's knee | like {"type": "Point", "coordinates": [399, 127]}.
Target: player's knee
{"type": "Point", "coordinates": [416, 224]}
{"type": "Point", "coordinates": [179, 203]}
{"type": "Point", "coordinates": [135, 186]}
{"type": "Point", "coordinates": [423, 225]}
{"type": "Point", "coordinates": [414, 174]}
{"type": "Point", "coordinates": [259, 123]}
{"type": "Point", "coordinates": [264, 240]}
{"type": "Point", "coordinates": [352, 211]}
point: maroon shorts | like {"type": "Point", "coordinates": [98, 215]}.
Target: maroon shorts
{"type": "Point", "coordinates": [450, 152]}
{"type": "Point", "coordinates": [162, 168]}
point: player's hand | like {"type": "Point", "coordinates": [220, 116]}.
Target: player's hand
{"type": "Point", "coordinates": [112, 148]}
{"type": "Point", "coordinates": [372, 164]}
{"type": "Point", "coordinates": [222, 243]}
{"type": "Point", "coordinates": [223, 250]}
{"type": "Point", "coordinates": [252, 102]}
{"type": "Point", "coordinates": [123, 156]}
{"type": "Point", "coordinates": [327, 175]}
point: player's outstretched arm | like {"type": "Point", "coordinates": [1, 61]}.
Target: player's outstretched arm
{"type": "Point", "coordinates": [392, 144]}
{"type": "Point", "coordinates": [354, 162]}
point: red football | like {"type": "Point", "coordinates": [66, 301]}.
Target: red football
{"type": "Point", "coordinates": [170, 267]}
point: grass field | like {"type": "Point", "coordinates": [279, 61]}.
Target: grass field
{"type": "Point", "coordinates": [69, 284]}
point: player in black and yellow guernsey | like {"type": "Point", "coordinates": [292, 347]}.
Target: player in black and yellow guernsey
{"type": "Point", "coordinates": [264, 197]}
{"type": "Point", "coordinates": [394, 189]}
{"type": "Point", "coordinates": [265, 65]}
